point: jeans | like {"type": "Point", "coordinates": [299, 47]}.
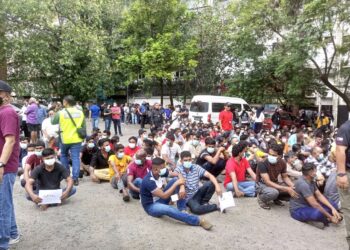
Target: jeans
{"type": "Point", "coordinates": [305, 214]}
{"type": "Point", "coordinates": [108, 124]}
{"type": "Point", "coordinates": [215, 169]}
{"type": "Point", "coordinates": [345, 205]}
{"type": "Point", "coordinates": [161, 207]}
{"type": "Point", "coordinates": [198, 203]}
{"type": "Point", "coordinates": [137, 183]}
{"type": "Point", "coordinates": [134, 118]}
{"type": "Point", "coordinates": [74, 149]}
{"type": "Point", "coordinates": [257, 127]}
{"type": "Point", "coordinates": [247, 187]}
{"type": "Point", "coordinates": [8, 226]}
{"type": "Point", "coordinates": [116, 123]}
{"type": "Point", "coordinates": [94, 123]}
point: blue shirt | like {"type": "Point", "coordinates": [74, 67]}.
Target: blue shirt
{"type": "Point", "coordinates": [292, 140]}
{"type": "Point", "coordinates": [95, 111]}
{"type": "Point", "coordinates": [167, 113]}
{"type": "Point", "coordinates": [192, 178]}
{"type": "Point", "coordinates": [148, 186]}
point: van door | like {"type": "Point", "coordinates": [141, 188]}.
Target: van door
{"type": "Point", "coordinates": [199, 111]}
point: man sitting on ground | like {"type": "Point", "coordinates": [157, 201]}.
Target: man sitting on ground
{"type": "Point", "coordinates": [169, 150]}
{"type": "Point", "coordinates": [137, 170]}
{"type": "Point", "coordinates": [236, 168]}
{"type": "Point", "coordinates": [131, 149]}
{"type": "Point", "coordinates": [311, 206]}
{"type": "Point", "coordinates": [99, 167]}
{"type": "Point", "coordinates": [48, 176]}
{"type": "Point", "coordinates": [194, 145]}
{"type": "Point", "coordinates": [195, 197]}
{"type": "Point", "coordinates": [267, 186]}
{"type": "Point", "coordinates": [33, 161]}
{"type": "Point", "coordinates": [87, 152]}
{"type": "Point", "coordinates": [155, 200]}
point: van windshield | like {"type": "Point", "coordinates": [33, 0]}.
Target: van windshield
{"type": "Point", "coordinates": [199, 107]}
{"type": "Point", "coordinates": [218, 107]}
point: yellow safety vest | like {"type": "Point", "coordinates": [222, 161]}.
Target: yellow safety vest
{"type": "Point", "coordinates": [69, 132]}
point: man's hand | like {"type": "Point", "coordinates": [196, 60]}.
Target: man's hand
{"type": "Point", "coordinates": [334, 220]}
{"type": "Point", "coordinates": [239, 194]}
{"type": "Point", "coordinates": [117, 177]}
{"type": "Point", "coordinates": [218, 191]}
{"type": "Point", "coordinates": [1, 174]}
{"type": "Point", "coordinates": [222, 149]}
{"type": "Point", "coordinates": [181, 181]}
{"type": "Point", "coordinates": [292, 193]}
{"type": "Point", "coordinates": [342, 182]}
{"type": "Point", "coordinates": [182, 193]}
{"type": "Point", "coordinates": [35, 198]}
{"type": "Point", "coordinates": [64, 195]}
{"type": "Point", "coordinates": [336, 214]}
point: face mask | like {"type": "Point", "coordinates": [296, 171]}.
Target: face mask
{"type": "Point", "coordinates": [120, 155]}
{"type": "Point", "coordinates": [138, 162]}
{"type": "Point", "coordinates": [38, 153]}
{"type": "Point", "coordinates": [149, 158]}
{"type": "Point", "coordinates": [132, 145]}
{"type": "Point", "coordinates": [320, 157]}
{"type": "Point", "coordinates": [30, 153]}
{"type": "Point", "coordinates": [162, 172]}
{"type": "Point", "coordinates": [272, 159]}
{"type": "Point", "coordinates": [246, 155]}
{"type": "Point", "coordinates": [195, 142]}
{"type": "Point", "coordinates": [187, 164]}
{"type": "Point", "coordinates": [267, 139]}
{"type": "Point", "coordinates": [91, 145]}
{"type": "Point", "coordinates": [225, 144]}
{"type": "Point", "coordinates": [210, 150]}
{"type": "Point", "coordinates": [177, 110]}
{"type": "Point", "coordinates": [314, 179]}
{"type": "Point", "coordinates": [168, 143]}
{"type": "Point", "coordinates": [104, 137]}
{"type": "Point", "coordinates": [108, 148]}
{"type": "Point", "coordinates": [50, 162]}
{"type": "Point", "coordinates": [251, 138]}
{"type": "Point", "coordinates": [23, 145]}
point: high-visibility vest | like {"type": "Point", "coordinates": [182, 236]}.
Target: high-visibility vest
{"type": "Point", "coordinates": [69, 132]}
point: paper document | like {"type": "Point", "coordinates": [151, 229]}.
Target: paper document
{"type": "Point", "coordinates": [50, 196]}
{"type": "Point", "coordinates": [226, 201]}
{"type": "Point", "coordinates": [174, 198]}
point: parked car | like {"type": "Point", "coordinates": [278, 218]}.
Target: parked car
{"type": "Point", "coordinates": [287, 119]}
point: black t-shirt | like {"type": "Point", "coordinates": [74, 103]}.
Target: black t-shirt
{"type": "Point", "coordinates": [201, 159]}
{"type": "Point", "coordinates": [49, 180]}
{"type": "Point", "coordinates": [98, 161]}
{"type": "Point", "coordinates": [343, 139]}
{"type": "Point", "coordinates": [87, 154]}
{"type": "Point", "coordinates": [106, 110]}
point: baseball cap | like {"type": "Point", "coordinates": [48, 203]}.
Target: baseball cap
{"type": "Point", "coordinates": [5, 87]}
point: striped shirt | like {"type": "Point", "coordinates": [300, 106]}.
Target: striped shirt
{"type": "Point", "coordinates": [192, 177]}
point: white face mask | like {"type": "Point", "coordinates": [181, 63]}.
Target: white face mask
{"type": "Point", "coordinates": [30, 153]}
{"type": "Point", "coordinates": [210, 150]}
{"type": "Point", "coordinates": [23, 145]}
{"type": "Point", "coordinates": [149, 158]}
{"type": "Point", "coordinates": [132, 145]}
{"type": "Point", "coordinates": [50, 162]}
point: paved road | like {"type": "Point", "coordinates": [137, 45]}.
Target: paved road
{"type": "Point", "coordinates": [97, 218]}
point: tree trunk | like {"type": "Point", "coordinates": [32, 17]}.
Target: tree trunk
{"type": "Point", "coordinates": [342, 95]}
{"type": "Point", "coordinates": [171, 93]}
{"type": "Point", "coordinates": [3, 63]}
{"type": "Point", "coordinates": [161, 91]}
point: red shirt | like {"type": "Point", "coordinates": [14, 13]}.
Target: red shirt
{"type": "Point", "coordinates": [139, 171]}
{"type": "Point", "coordinates": [115, 109]}
{"type": "Point", "coordinates": [226, 118]}
{"type": "Point", "coordinates": [131, 151]}
{"type": "Point", "coordinates": [34, 161]}
{"type": "Point", "coordinates": [239, 168]}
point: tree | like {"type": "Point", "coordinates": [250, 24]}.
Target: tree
{"type": "Point", "coordinates": [301, 35]}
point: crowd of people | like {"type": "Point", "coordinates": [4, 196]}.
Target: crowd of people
{"type": "Point", "coordinates": [175, 168]}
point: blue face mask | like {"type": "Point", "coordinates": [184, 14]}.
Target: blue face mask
{"type": "Point", "coordinates": [187, 164]}
{"type": "Point", "coordinates": [162, 172]}
{"type": "Point", "coordinates": [138, 162]}
{"type": "Point", "coordinates": [320, 157]}
{"type": "Point", "coordinates": [272, 159]}
{"type": "Point", "coordinates": [120, 155]}
{"type": "Point", "coordinates": [108, 148]}
{"type": "Point", "coordinates": [38, 153]}
{"type": "Point", "coordinates": [91, 145]}
{"type": "Point", "coordinates": [210, 150]}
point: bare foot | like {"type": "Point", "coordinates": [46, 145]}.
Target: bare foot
{"type": "Point", "coordinates": [95, 179]}
{"type": "Point", "coordinates": [44, 207]}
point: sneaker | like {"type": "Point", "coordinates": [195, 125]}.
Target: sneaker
{"type": "Point", "coordinates": [14, 240]}
{"type": "Point", "coordinates": [262, 204]}
{"type": "Point", "coordinates": [126, 198]}
{"type": "Point", "coordinates": [205, 224]}
{"type": "Point", "coordinates": [278, 203]}
{"type": "Point", "coordinates": [319, 225]}
{"type": "Point", "coordinates": [76, 182]}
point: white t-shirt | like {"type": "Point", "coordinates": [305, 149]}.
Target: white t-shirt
{"type": "Point", "coordinates": [51, 130]}
{"type": "Point", "coordinates": [261, 118]}
{"type": "Point", "coordinates": [171, 152]}
{"type": "Point", "coordinates": [176, 123]}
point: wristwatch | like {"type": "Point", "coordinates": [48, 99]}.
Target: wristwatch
{"type": "Point", "coordinates": [2, 165]}
{"type": "Point", "coordinates": [341, 174]}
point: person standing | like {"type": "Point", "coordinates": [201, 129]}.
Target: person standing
{"type": "Point", "coordinates": [70, 118]}
{"type": "Point", "coordinates": [226, 118]}
{"type": "Point", "coordinates": [94, 114]}
{"type": "Point", "coordinates": [116, 113]}
{"type": "Point", "coordinates": [32, 125]}
{"type": "Point", "coordinates": [156, 117]}
{"type": "Point", "coordinates": [107, 114]}
{"type": "Point", "coordinates": [276, 119]}
{"type": "Point", "coordinates": [9, 162]}
{"type": "Point", "coordinates": [259, 119]}
{"type": "Point", "coordinates": [24, 119]}
{"type": "Point", "coordinates": [343, 172]}
{"type": "Point", "coordinates": [143, 113]}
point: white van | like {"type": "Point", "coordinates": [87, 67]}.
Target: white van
{"type": "Point", "coordinates": [206, 108]}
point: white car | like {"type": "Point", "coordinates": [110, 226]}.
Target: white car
{"type": "Point", "coordinates": [206, 108]}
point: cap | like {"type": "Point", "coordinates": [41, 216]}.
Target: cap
{"type": "Point", "coordinates": [5, 87]}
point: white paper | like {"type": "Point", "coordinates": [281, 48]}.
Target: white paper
{"type": "Point", "coordinates": [174, 198]}
{"type": "Point", "coordinates": [50, 196]}
{"type": "Point", "coordinates": [226, 201]}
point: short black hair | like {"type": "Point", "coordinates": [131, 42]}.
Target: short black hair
{"type": "Point", "coordinates": [115, 139]}
{"type": "Point", "coordinates": [48, 152]}
{"type": "Point", "coordinates": [238, 148]}
{"type": "Point", "coordinates": [148, 143]}
{"type": "Point", "coordinates": [132, 138]}
{"type": "Point", "coordinates": [243, 137]}
{"type": "Point", "coordinates": [118, 147]}
{"type": "Point", "coordinates": [157, 161]}
{"type": "Point", "coordinates": [149, 151]}
{"type": "Point", "coordinates": [107, 132]}
{"type": "Point", "coordinates": [23, 138]}
{"type": "Point", "coordinates": [185, 154]}
{"type": "Point", "coordinates": [209, 141]}
{"type": "Point", "coordinates": [31, 145]}
{"type": "Point", "coordinates": [100, 142]}
{"type": "Point", "coordinates": [70, 100]}
{"type": "Point", "coordinates": [277, 148]}
{"type": "Point", "coordinates": [170, 136]}
{"type": "Point", "coordinates": [307, 168]}
{"type": "Point", "coordinates": [40, 143]}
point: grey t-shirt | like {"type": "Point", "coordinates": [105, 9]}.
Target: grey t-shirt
{"type": "Point", "coordinates": [304, 189]}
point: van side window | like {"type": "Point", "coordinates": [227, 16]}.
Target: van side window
{"type": "Point", "coordinates": [217, 107]}
{"type": "Point", "coordinates": [199, 107]}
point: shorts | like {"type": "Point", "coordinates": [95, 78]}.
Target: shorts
{"type": "Point", "coordinates": [32, 127]}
